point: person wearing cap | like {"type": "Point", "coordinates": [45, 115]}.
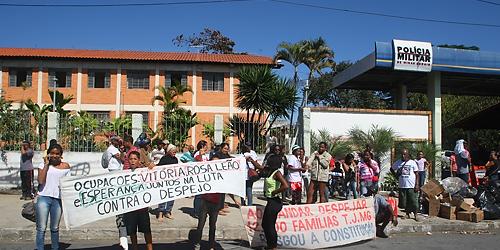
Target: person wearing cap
{"type": "Point", "coordinates": [165, 209]}
{"type": "Point", "coordinates": [295, 168]}
{"type": "Point", "coordinates": [26, 170]}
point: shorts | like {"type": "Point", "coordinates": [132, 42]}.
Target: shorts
{"type": "Point", "coordinates": [408, 200]}
{"type": "Point", "coordinates": [296, 186]}
{"type": "Point", "coordinates": [137, 220]}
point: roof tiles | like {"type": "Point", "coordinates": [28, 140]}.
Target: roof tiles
{"type": "Point", "coordinates": [135, 55]}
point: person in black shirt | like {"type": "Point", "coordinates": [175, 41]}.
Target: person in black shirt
{"type": "Point", "coordinates": [492, 167]}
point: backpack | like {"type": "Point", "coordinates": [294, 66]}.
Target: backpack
{"type": "Point", "coordinates": [105, 159]}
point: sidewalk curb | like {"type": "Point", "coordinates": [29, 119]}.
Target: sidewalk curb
{"type": "Point", "coordinates": [177, 234]}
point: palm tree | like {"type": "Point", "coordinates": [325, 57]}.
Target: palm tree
{"type": "Point", "coordinates": [284, 100]}
{"type": "Point", "coordinates": [318, 56]}
{"type": "Point", "coordinates": [39, 116]}
{"type": "Point", "coordinates": [170, 97]}
{"type": "Point", "coordinates": [60, 101]}
{"type": "Point", "coordinates": [253, 90]}
{"type": "Point", "coordinates": [295, 54]}
{"type": "Point", "coordinates": [380, 140]}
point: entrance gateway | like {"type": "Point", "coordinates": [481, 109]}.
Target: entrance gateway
{"type": "Point", "coordinates": [404, 66]}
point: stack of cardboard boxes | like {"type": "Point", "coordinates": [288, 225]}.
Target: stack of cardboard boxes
{"type": "Point", "coordinates": [445, 206]}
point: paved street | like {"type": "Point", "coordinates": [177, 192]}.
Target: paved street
{"type": "Point", "coordinates": [472, 240]}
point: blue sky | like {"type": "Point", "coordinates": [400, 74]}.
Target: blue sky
{"type": "Point", "coordinates": [257, 27]}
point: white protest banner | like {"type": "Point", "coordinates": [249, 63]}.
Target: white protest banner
{"type": "Point", "coordinates": [315, 225]}
{"type": "Point", "coordinates": [97, 197]}
{"type": "Point", "coordinates": [412, 55]}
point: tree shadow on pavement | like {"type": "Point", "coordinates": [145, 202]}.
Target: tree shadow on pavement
{"type": "Point", "coordinates": [188, 210]}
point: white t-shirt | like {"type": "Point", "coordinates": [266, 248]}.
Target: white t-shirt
{"type": "Point", "coordinates": [156, 155]}
{"type": "Point", "coordinates": [252, 155]}
{"type": "Point", "coordinates": [294, 163]}
{"type": "Point", "coordinates": [51, 187]}
{"type": "Point", "coordinates": [421, 164]}
{"type": "Point", "coordinates": [114, 164]}
{"type": "Point", "coordinates": [408, 169]}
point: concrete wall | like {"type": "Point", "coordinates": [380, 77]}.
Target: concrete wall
{"type": "Point", "coordinates": [408, 124]}
{"type": "Point", "coordinates": [81, 163]}
{"type": "Point", "coordinates": [338, 123]}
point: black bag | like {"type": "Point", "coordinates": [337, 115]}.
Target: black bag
{"type": "Point", "coordinates": [28, 211]}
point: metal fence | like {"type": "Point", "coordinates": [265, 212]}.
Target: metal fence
{"type": "Point", "coordinates": [83, 132]}
{"type": "Point", "coordinates": [260, 135]}
{"type": "Point", "coordinates": [23, 127]}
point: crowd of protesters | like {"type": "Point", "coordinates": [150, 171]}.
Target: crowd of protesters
{"type": "Point", "coordinates": [288, 179]}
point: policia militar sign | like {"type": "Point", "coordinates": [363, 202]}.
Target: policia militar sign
{"type": "Point", "coordinates": [412, 55]}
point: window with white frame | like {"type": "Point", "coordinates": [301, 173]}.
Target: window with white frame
{"type": "Point", "coordinates": [99, 79]}
{"type": "Point", "coordinates": [173, 78]}
{"type": "Point", "coordinates": [60, 78]}
{"type": "Point", "coordinates": [138, 79]}
{"type": "Point", "coordinates": [212, 81]}
{"type": "Point", "coordinates": [19, 77]}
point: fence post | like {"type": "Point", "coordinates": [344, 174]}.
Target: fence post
{"type": "Point", "coordinates": [218, 129]}
{"type": "Point", "coordinates": [136, 125]}
{"type": "Point", "coordinates": [52, 126]}
{"type": "Point", "coordinates": [306, 130]}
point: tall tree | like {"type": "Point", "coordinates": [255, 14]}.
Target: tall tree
{"type": "Point", "coordinates": [318, 56]}
{"type": "Point", "coordinates": [209, 41]}
{"type": "Point", "coordinates": [293, 53]}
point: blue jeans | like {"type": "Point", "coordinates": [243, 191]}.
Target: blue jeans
{"type": "Point", "coordinates": [364, 185]}
{"type": "Point", "coordinates": [351, 187]}
{"type": "Point", "coordinates": [421, 178]}
{"type": "Point", "coordinates": [46, 206]}
{"type": "Point", "coordinates": [249, 194]}
{"type": "Point", "coordinates": [166, 207]}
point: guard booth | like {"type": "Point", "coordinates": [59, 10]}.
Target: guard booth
{"type": "Point", "coordinates": [411, 66]}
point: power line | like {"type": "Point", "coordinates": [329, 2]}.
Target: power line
{"type": "Point", "coordinates": [386, 15]}
{"type": "Point", "coordinates": [489, 2]}
{"type": "Point", "coordinates": [122, 4]}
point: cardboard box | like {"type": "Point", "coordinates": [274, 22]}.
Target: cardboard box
{"type": "Point", "coordinates": [475, 215]}
{"type": "Point", "coordinates": [461, 205]}
{"type": "Point", "coordinates": [445, 198]}
{"type": "Point", "coordinates": [447, 211]}
{"type": "Point", "coordinates": [469, 201]}
{"type": "Point", "coordinates": [432, 188]}
{"type": "Point", "coordinates": [434, 205]}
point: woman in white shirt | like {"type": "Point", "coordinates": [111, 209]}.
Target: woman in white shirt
{"type": "Point", "coordinates": [49, 197]}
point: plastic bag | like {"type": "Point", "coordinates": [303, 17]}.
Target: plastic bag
{"type": "Point", "coordinates": [488, 204]}
{"type": "Point", "coordinates": [468, 192]}
{"type": "Point", "coordinates": [453, 185]}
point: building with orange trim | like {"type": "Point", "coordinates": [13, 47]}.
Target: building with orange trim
{"type": "Point", "coordinates": [110, 83]}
